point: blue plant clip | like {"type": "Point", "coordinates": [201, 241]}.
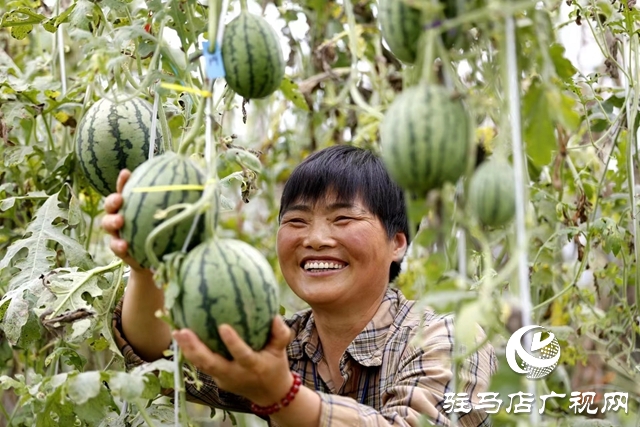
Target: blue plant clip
{"type": "Point", "coordinates": [213, 61]}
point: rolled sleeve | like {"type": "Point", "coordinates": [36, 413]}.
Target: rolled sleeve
{"type": "Point", "coordinates": [204, 392]}
{"type": "Point", "coordinates": [131, 359]}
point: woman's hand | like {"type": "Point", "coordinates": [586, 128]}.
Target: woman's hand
{"type": "Point", "coordinates": [262, 377]}
{"type": "Point", "coordinates": [112, 222]}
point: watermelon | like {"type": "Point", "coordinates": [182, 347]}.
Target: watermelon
{"type": "Point", "coordinates": [226, 281]}
{"type": "Point", "coordinates": [113, 136]}
{"type": "Point", "coordinates": [492, 193]}
{"type": "Point", "coordinates": [401, 27]}
{"type": "Point", "coordinates": [252, 56]}
{"type": "Point", "coordinates": [141, 205]}
{"type": "Point", "coordinates": [426, 138]}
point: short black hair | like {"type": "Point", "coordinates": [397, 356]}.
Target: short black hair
{"type": "Point", "coordinates": [350, 172]}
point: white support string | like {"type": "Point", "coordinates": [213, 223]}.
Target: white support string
{"type": "Point", "coordinates": [520, 192]}
{"type": "Point", "coordinates": [63, 71]}
{"type": "Point", "coordinates": [220, 31]}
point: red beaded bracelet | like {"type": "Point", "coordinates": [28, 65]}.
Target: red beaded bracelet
{"type": "Point", "coordinates": [272, 409]}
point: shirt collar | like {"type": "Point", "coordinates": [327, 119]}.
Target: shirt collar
{"type": "Point", "coordinates": [367, 347]}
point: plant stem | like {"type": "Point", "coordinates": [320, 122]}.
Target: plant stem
{"type": "Point", "coordinates": [144, 414]}
{"type": "Point", "coordinates": [353, 79]}
{"type": "Point", "coordinates": [426, 76]}
{"type": "Point", "coordinates": [188, 212]}
{"type": "Point", "coordinates": [180, 392]}
{"type": "Point", "coordinates": [212, 163]}
{"type": "Point", "coordinates": [164, 127]}
{"type": "Point", "coordinates": [506, 9]}
{"type": "Point", "coordinates": [89, 232]}
{"type": "Point", "coordinates": [4, 411]}
{"type": "Point", "coordinates": [49, 134]}
{"type": "Point", "coordinates": [195, 129]}
{"type": "Point", "coordinates": [243, 5]}
{"type": "Point", "coordinates": [632, 110]}
{"type": "Point", "coordinates": [213, 24]}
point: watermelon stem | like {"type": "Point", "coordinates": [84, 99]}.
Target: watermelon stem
{"type": "Point", "coordinates": [189, 211]}
{"type": "Point", "coordinates": [353, 78]}
{"type": "Point", "coordinates": [144, 414]}
{"type": "Point", "coordinates": [427, 73]}
{"type": "Point", "coordinates": [180, 393]}
{"type": "Point", "coordinates": [195, 129]}
{"type": "Point", "coordinates": [212, 162]}
{"type": "Point", "coordinates": [213, 24]}
{"type": "Point", "coordinates": [243, 5]}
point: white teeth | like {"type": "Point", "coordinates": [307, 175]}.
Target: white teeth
{"type": "Point", "coordinates": [315, 265]}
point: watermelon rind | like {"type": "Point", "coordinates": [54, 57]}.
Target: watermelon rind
{"type": "Point", "coordinates": [141, 202]}
{"type": "Point", "coordinates": [492, 193]}
{"type": "Point", "coordinates": [113, 136]}
{"type": "Point", "coordinates": [426, 138]}
{"type": "Point", "coordinates": [226, 281]}
{"type": "Point", "coordinates": [252, 56]}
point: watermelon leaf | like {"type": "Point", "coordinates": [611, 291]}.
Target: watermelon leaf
{"type": "Point", "coordinates": [539, 132]}
{"type": "Point", "coordinates": [87, 295]}
{"type": "Point", "coordinates": [34, 255]}
{"type": "Point", "coordinates": [15, 311]}
{"type": "Point", "coordinates": [94, 410]}
{"type": "Point", "coordinates": [291, 91]}
{"type": "Point", "coordinates": [84, 386]}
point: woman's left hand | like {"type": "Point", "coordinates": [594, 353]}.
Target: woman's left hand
{"type": "Point", "coordinates": [261, 376]}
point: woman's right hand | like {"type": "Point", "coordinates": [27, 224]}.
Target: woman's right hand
{"type": "Point", "coordinates": [112, 222]}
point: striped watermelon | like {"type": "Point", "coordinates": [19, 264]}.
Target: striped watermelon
{"type": "Point", "coordinates": [426, 138]}
{"type": "Point", "coordinates": [492, 193]}
{"type": "Point", "coordinates": [139, 207]}
{"type": "Point", "coordinates": [226, 281]}
{"type": "Point", "coordinates": [252, 56]}
{"type": "Point", "coordinates": [401, 27]}
{"type": "Point", "coordinates": [114, 136]}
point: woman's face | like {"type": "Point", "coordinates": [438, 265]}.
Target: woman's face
{"type": "Point", "coordinates": [335, 253]}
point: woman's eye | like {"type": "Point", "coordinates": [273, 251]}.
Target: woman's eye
{"type": "Point", "coordinates": [343, 218]}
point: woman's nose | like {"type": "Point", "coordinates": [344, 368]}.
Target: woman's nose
{"type": "Point", "coordinates": [319, 236]}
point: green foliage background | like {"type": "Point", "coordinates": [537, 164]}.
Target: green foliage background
{"type": "Point", "coordinates": [59, 281]}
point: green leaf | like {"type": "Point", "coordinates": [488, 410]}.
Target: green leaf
{"type": "Point", "coordinates": [564, 67]}
{"type": "Point", "coordinates": [94, 410]}
{"type": "Point", "coordinates": [291, 91]}
{"type": "Point", "coordinates": [127, 386]}
{"type": "Point", "coordinates": [73, 359]}
{"type": "Point", "coordinates": [15, 156]}
{"type": "Point", "coordinates": [15, 310]}
{"type": "Point", "coordinates": [21, 21]}
{"type": "Point", "coordinates": [7, 383]}
{"type": "Point", "coordinates": [84, 386]}
{"type": "Point", "coordinates": [33, 254]}
{"type": "Point", "coordinates": [563, 332]}
{"type": "Point", "coordinates": [57, 411]}
{"type": "Point", "coordinates": [8, 203]}
{"type": "Point", "coordinates": [565, 108]}
{"type": "Point", "coordinates": [539, 133]}
{"type": "Point", "coordinates": [244, 158]}
{"type": "Point", "coordinates": [68, 291]}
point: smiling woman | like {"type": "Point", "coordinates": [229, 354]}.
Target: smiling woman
{"type": "Point", "coordinates": [362, 354]}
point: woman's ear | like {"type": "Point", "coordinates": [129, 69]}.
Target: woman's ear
{"type": "Point", "coordinates": [399, 246]}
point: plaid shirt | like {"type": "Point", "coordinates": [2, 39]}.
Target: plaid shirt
{"type": "Point", "coordinates": [395, 371]}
